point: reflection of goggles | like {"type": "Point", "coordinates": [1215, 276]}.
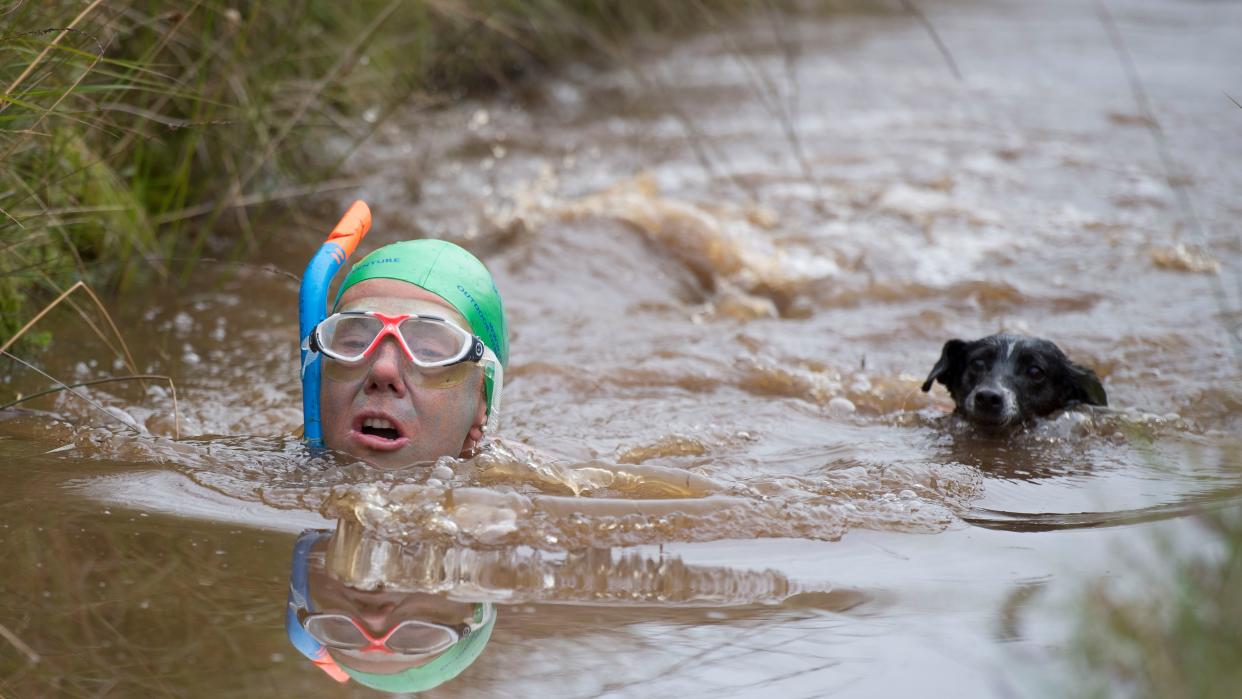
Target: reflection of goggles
{"type": "Point", "coordinates": [444, 354]}
{"type": "Point", "coordinates": [409, 637]}
{"type": "Point", "coordinates": [450, 662]}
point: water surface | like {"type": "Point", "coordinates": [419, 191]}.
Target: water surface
{"type": "Point", "coordinates": [736, 256]}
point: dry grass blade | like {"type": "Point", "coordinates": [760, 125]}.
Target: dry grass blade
{"type": "Point", "coordinates": [46, 49]}
{"type": "Point", "coordinates": [766, 90]}
{"type": "Point", "coordinates": [31, 130]}
{"type": "Point", "coordinates": [19, 644]}
{"type": "Point", "coordinates": [129, 358]}
{"type": "Point", "coordinates": [38, 316]}
{"type": "Point", "coordinates": [16, 221]}
{"type": "Point", "coordinates": [453, 8]}
{"type": "Point", "coordinates": [116, 352]}
{"type": "Point", "coordinates": [1173, 175]}
{"type": "Point", "coordinates": [253, 199]}
{"type": "Point", "coordinates": [57, 225]}
{"type": "Point", "coordinates": [704, 150]}
{"type": "Point", "coordinates": [111, 379]}
{"type": "Point", "coordinates": [935, 36]}
{"type": "Point", "coordinates": [265, 268]}
{"type": "Point", "coordinates": [31, 192]}
{"type": "Point", "coordinates": [125, 143]}
{"type": "Point", "coordinates": [67, 387]}
{"type": "Point", "coordinates": [348, 56]}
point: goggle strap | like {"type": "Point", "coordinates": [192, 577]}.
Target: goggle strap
{"type": "Point", "coordinates": [497, 375]}
{"type": "Point", "coordinates": [310, 347]}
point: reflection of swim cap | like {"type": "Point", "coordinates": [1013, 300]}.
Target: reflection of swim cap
{"type": "Point", "coordinates": [449, 272]}
{"type": "Point", "coordinates": [445, 667]}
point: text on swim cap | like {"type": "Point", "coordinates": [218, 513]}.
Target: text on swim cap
{"type": "Point", "coordinates": [491, 331]}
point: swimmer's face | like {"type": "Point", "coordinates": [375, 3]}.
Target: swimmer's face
{"type": "Point", "coordinates": [429, 422]}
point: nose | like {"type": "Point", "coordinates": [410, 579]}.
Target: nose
{"type": "Point", "coordinates": [385, 373]}
{"type": "Point", "coordinates": [989, 401]}
{"type": "Point", "coordinates": [377, 620]}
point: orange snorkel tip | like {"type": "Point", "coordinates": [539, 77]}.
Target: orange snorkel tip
{"type": "Point", "coordinates": [352, 227]}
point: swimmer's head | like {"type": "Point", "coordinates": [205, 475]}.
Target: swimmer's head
{"type": "Point", "coordinates": [385, 407]}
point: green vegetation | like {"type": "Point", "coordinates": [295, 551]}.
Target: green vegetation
{"type": "Point", "coordinates": [1179, 634]}
{"type": "Point", "coordinates": [135, 132]}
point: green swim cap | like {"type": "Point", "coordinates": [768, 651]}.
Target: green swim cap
{"type": "Point", "coordinates": [445, 667]}
{"type": "Point", "coordinates": [453, 274]}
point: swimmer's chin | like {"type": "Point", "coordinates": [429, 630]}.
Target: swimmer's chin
{"type": "Point", "coordinates": [385, 458]}
{"type": "Point", "coordinates": [393, 460]}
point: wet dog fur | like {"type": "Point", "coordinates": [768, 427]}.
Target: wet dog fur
{"type": "Point", "coordinates": [1002, 382]}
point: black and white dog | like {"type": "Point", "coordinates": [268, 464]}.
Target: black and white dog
{"type": "Point", "coordinates": [1003, 381]}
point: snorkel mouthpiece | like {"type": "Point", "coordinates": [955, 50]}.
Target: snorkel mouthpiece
{"type": "Point", "coordinates": [313, 305]}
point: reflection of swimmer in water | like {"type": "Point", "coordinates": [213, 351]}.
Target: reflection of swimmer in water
{"type": "Point", "coordinates": [519, 574]}
{"type": "Point", "coordinates": [412, 357]}
{"type": "Point", "coordinates": [394, 641]}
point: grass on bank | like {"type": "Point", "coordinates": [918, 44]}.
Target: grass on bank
{"type": "Point", "coordinates": [132, 133]}
{"type": "Point", "coordinates": [1179, 635]}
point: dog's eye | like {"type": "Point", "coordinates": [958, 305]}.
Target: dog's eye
{"type": "Point", "coordinates": [1035, 374]}
{"type": "Point", "coordinates": [978, 364]}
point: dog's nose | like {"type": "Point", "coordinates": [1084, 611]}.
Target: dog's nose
{"type": "Point", "coordinates": [989, 401]}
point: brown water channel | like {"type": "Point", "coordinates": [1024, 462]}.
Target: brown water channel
{"type": "Point", "coordinates": [740, 258]}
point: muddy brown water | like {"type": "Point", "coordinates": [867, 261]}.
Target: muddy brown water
{"type": "Point", "coordinates": [737, 256]}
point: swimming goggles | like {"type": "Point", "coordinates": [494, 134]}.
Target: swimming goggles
{"type": "Point", "coordinates": [409, 637]}
{"type": "Point", "coordinates": [444, 353]}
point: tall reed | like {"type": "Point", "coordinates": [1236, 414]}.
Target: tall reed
{"type": "Point", "coordinates": [135, 131]}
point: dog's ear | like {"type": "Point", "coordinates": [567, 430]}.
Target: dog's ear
{"type": "Point", "coordinates": [950, 365]}
{"type": "Point", "coordinates": [1085, 386]}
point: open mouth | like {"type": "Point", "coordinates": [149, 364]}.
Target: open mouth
{"type": "Point", "coordinates": [378, 432]}
{"type": "Point", "coordinates": [380, 427]}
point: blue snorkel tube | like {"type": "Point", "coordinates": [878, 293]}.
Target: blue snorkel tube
{"type": "Point", "coordinates": [313, 305]}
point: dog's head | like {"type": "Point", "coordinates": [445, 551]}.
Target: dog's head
{"type": "Point", "coordinates": [1002, 381]}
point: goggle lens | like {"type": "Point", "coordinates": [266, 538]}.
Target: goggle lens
{"type": "Point", "coordinates": [432, 342]}
{"type": "Point", "coordinates": [435, 346]}
{"type": "Point", "coordinates": [413, 638]}
{"type": "Point", "coordinates": [337, 631]}
{"type": "Point", "coordinates": [348, 337]}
